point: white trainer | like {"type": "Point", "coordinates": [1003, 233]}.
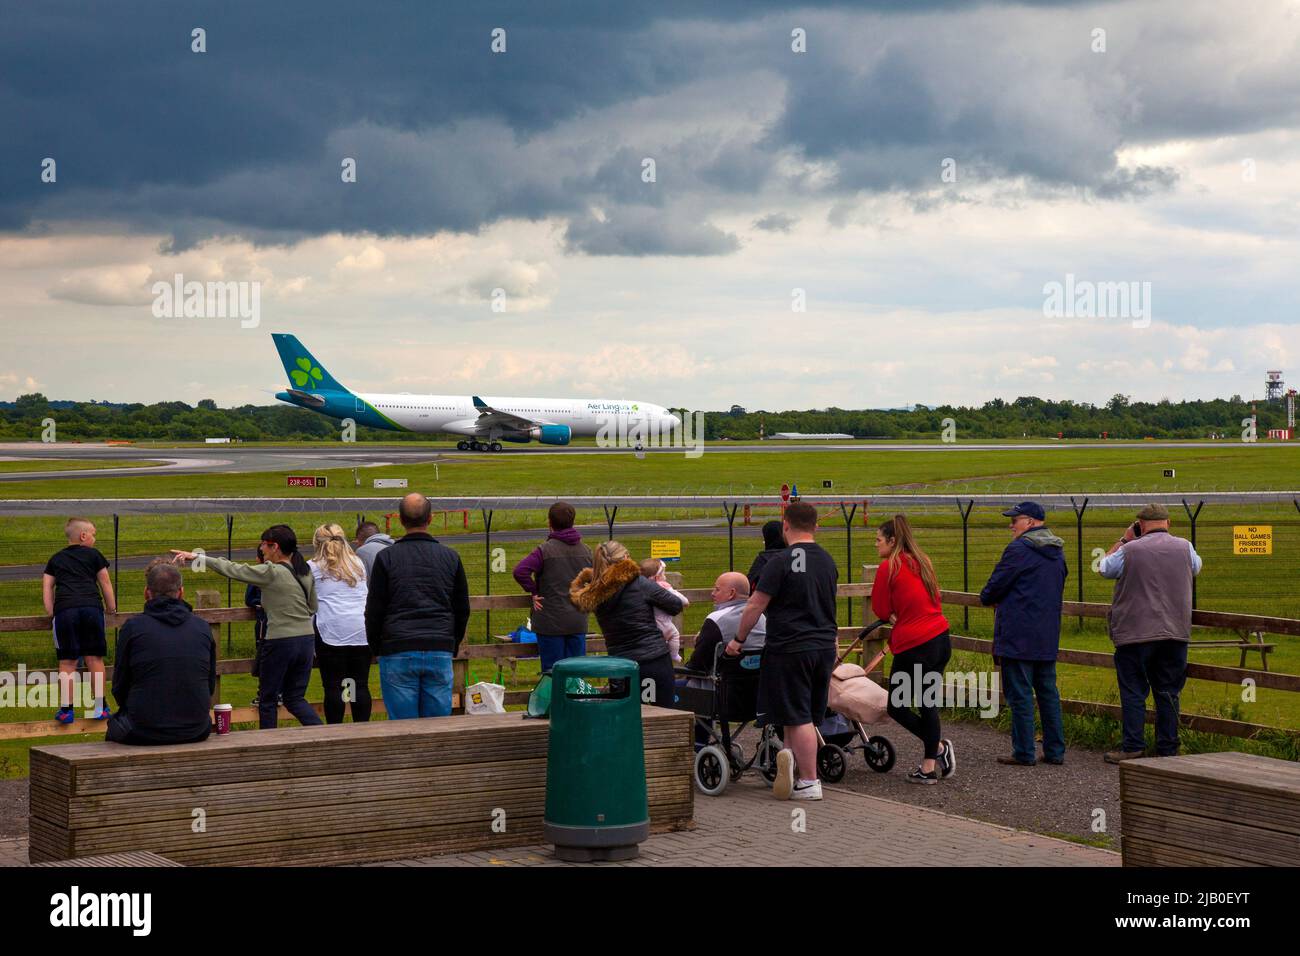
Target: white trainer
{"type": "Point", "coordinates": [784, 783]}
{"type": "Point", "coordinates": [807, 791]}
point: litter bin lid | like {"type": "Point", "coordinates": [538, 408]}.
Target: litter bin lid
{"type": "Point", "coordinates": [594, 667]}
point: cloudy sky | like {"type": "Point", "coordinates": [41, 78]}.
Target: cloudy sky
{"type": "Point", "coordinates": [915, 178]}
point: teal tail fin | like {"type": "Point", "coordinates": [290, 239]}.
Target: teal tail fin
{"type": "Point", "coordinates": [301, 366]}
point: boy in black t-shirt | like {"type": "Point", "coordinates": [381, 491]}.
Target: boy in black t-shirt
{"type": "Point", "coordinates": [71, 586]}
{"type": "Point", "coordinates": [796, 591]}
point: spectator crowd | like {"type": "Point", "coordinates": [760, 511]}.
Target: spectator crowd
{"type": "Point", "coordinates": [403, 604]}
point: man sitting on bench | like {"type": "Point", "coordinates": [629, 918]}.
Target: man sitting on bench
{"type": "Point", "coordinates": [164, 668]}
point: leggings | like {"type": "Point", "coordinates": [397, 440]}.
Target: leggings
{"type": "Point", "coordinates": [340, 663]}
{"type": "Point", "coordinates": [908, 682]}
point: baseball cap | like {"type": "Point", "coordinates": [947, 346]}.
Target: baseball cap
{"type": "Point", "coordinates": [1031, 509]}
{"type": "Point", "coordinates": [1153, 512]}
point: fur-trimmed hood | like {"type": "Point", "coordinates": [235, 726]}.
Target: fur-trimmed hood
{"type": "Point", "coordinates": [588, 593]}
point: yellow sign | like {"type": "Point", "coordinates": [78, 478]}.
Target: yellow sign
{"type": "Point", "coordinates": [666, 550]}
{"type": "Point", "coordinates": [1252, 539]}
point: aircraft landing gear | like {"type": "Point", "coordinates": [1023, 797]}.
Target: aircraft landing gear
{"type": "Point", "coordinates": [462, 446]}
{"type": "Point", "coordinates": [495, 446]}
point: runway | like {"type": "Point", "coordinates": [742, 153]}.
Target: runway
{"type": "Point", "coordinates": [306, 459]}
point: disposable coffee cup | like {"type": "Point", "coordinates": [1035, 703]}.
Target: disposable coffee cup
{"type": "Point", "coordinates": [222, 712]}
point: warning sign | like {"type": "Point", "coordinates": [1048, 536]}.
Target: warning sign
{"type": "Point", "coordinates": [667, 550]}
{"type": "Point", "coordinates": [1252, 539]}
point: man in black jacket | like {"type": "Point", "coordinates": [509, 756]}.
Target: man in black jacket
{"type": "Point", "coordinates": [417, 609]}
{"type": "Point", "coordinates": [164, 668]}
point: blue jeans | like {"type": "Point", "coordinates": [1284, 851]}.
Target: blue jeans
{"type": "Point", "coordinates": [1158, 668]}
{"type": "Point", "coordinates": [416, 684]}
{"type": "Point", "coordinates": [556, 647]}
{"type": "Point", "coordinates": [286, 670]}
{"type": "Point", "coordinates": [1021, 681]}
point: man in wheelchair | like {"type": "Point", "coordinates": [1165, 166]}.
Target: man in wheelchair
{"type": "Point", "coordinates": [718, 685]}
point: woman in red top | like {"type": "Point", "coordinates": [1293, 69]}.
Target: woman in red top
{"type": "Point", "coordinates": [906, 594]}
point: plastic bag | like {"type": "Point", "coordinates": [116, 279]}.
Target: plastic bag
{"type": "Point", "coordinates": [485, 698]}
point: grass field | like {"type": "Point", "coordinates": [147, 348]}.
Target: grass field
{"type": "Point", "coordinates": [1255, 584]}
{"type": "Point", "coordinates": [68, 464]}
{"type": "Point", "coordinates": [1226, 467]}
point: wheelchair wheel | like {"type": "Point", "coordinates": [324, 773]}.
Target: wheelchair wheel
{"type": "Point", "coordinates": [879, 754]}
{"type": "Point", "coordinates": [831, 765]}
{"type": "Point", "coordinates": [712, 771]}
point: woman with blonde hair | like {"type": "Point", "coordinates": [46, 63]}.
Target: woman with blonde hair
{"type": "Point", "coordinates": [906, 593]}
{"type": "Point", "coordinates": [341, 648]}
{"type": "Point", "coordinates": [624, 603]}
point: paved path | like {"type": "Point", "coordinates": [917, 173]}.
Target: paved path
{"type": "Point", "coordinates": [747, 827]}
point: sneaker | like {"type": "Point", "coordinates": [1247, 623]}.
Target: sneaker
{"type": "Point", "coordinates": [65, 715]}
{"type": "Point", "coordinates": [920, 776]}
{"type": "Point", "coordinates": [1012, 761]}
{"type": "Point", "coordinates": [807, 791]}
{"type": "Point", "coordinates": [947, 760]}
{"type": "Point", "coordinates": [253, 702]}
{"type": "Point", "coordinates": [1119, 756]}
{"type": "Point", "coordinates": [783, 786]}
{"type": "Point", "coordinates": [102, 713]}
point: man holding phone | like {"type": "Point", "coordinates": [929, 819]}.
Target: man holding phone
{"type": "Point", "coordinates": [1150, 623]}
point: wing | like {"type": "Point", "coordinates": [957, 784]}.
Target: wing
{"type": "Point", "coordinates": [489, 417]}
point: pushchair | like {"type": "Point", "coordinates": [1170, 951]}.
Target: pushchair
{"type": "Point", "coordinates": [724, 704]}
{"type": "Point", "coordinates": [854, 700]}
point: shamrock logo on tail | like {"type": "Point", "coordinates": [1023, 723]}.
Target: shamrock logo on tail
{"type": "Point", "coordinates": [306, 374]}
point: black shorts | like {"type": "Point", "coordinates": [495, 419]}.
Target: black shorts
{"type": "Point", "coordinates": [79, 632]}
{"type": "Point", "coordinates": [793, 687]}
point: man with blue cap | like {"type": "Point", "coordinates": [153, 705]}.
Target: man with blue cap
{"type": "Point", "coordinates": [1027, 587]}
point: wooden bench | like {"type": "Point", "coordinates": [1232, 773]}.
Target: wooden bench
{"type": "Point", "coordinates": [346, 793]}
{"type": "Point", "coordinates": [1244, 644]}
{"type": "Point", "coordinates": [1222, 809]}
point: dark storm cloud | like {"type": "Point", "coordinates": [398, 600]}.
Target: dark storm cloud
{"type": "Point", "coordinates": [247, 138]}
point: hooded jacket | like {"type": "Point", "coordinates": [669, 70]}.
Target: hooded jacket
{"type": "Point", "coordinates": [164, 673]}
{"type": "Point", "coordinates": [1027, 586]}
{"type": "Point", "coordinates": [547, 572]}
{"type": "Point", "coordinates": [624, 604]}
{"type": "Point", "coordinates": [773, 543]}
{"type": "Point", "coordinates": [371, 547]}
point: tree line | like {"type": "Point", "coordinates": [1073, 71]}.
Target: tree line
{"type": "Point", "coordinates": [1025, 417]}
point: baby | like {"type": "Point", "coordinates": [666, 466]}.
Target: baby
{"type": "Point", "coordinates": [655, 570]}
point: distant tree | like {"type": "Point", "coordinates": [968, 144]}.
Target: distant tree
{"type": "Point", "coordinates": [208, 403]}
{"type": "Point", "coordinates": [1117, 403]}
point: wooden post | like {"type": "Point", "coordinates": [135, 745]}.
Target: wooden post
{"type": "Point", "coordinates": [459, 681]}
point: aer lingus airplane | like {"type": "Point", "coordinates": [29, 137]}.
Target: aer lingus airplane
{"type": "Point", "coordinates": [485, 422]}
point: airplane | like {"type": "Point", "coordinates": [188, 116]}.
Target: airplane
{"type": "Point", "coordinates": [484, 423]}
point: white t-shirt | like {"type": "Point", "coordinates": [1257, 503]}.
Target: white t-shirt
{"type": "Point", "coordinates": [341, 618]}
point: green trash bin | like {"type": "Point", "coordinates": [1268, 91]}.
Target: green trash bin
{"type": "Point", "coordinates": [596, 806]}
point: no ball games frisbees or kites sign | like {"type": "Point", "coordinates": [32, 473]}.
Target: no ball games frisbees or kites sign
{"type": "Point", "coordinates": [666, 550]}
{"type": "Point", "coordinates": [1252, 539]}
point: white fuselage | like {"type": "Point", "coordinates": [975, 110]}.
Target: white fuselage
{"type": "Point", "coordinates": [456, 414]}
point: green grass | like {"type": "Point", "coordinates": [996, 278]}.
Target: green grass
{"type": "Point", "coordinates": [69, 464]}
{"type": "Point", "coordinates": [945, 469]}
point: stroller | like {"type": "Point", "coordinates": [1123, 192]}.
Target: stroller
{"type": "Point", "coordinates": [854, 700]}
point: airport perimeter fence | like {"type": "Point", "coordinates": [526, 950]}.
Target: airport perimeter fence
{"type": "Point", "coordinates": [1250, 543]}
